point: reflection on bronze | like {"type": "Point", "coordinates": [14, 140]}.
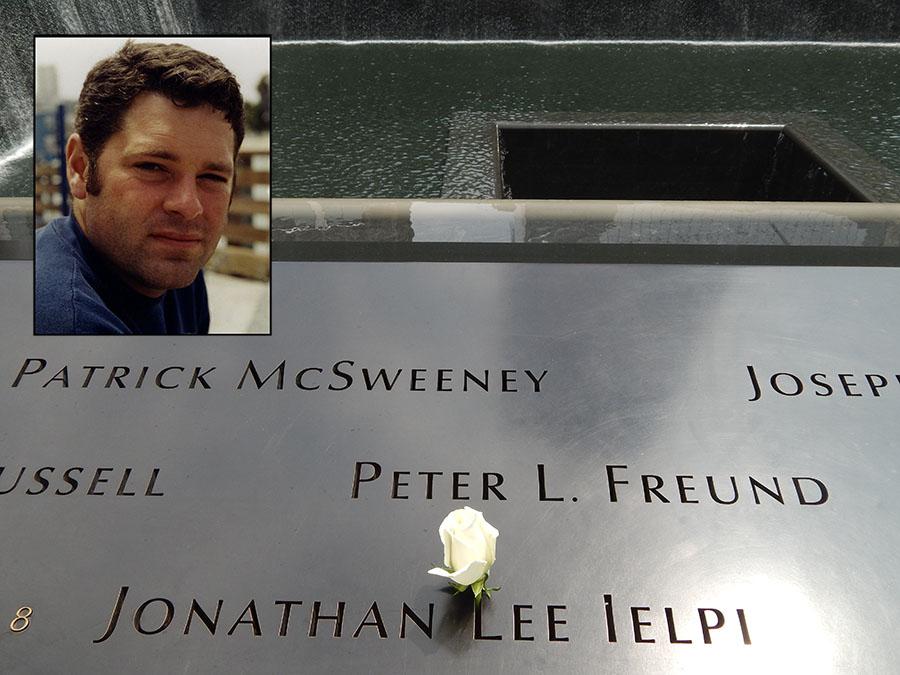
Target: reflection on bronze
{"type": "Point", "coordinates": [22, 620]}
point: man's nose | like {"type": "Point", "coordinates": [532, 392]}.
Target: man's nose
{"type": "Point", "coordinates": [184, 199]}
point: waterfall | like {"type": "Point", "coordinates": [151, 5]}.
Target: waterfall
{"type": "Point", "coordinates": [23, 19]}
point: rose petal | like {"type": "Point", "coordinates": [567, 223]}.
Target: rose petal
{"type": "Point", "coordinates": [460, 518]}
{"type": "Point", "coordinates": [455, 520]}
{"type": "Point", "coordinates": [490, 530]}
{"type": "Point", "coordinates": [466, 547]}
{"type": "Point", "coordinates": [491, 534]}
{"type": "Point", "coordinates": [439, 572]}
{"type": "Point", "coordinates": [472, 573]}
{"type": "Point", "coordinates": [446, 540]}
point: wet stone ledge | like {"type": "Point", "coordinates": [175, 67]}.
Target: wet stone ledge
{"type": "Point", "coordinates": [607, 222]}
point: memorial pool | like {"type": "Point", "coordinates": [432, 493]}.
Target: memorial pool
{"type": "Point", "coordinates": [388, 119]}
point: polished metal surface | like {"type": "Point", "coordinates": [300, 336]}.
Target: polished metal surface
{"type": "Point", "coordinates": [646, 368]}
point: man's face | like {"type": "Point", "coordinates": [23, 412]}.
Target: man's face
{"type": "Point", "coordinates": [164, 188]}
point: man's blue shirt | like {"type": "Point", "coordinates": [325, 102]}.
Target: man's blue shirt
{"type": "Point", "coordinates": [77, 293]}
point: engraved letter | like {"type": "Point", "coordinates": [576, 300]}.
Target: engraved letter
{"type": "Point", "coordinates": [610, 619]}
{"type": "Point", "coordinates": [757, 392]}
{"type": "Point", "coordinates": [518, 621]}
{"type": "Point", "coordinates": [357, 476]}
{"type": "Point", "coordinates": [114, 617]}
{"type": "Point", "coordinates": [542, 487]}
{"type": "Point", "coordinates": [167, 619]}
{"type": "Point", "coordinates": [553, 622]}
{"type": "Point", "coordinates": [251, 369]}
{"type": "Point", "coordinates": [24, 370]}
{"type": "Point", "coordinates": [253, 621]}
{"type": "Point", "coordinates": [377, 622]}
{"type": "Point", "coordinates": [479, 634]}
{"type": "Point", "coordinates": [704, 624]}
{"type": "Point", "coordinates": [823, 491]}
{"type": "Point", "coordinates": [425, 628]}
{"type": "Point", "coordinates": [204, 617]}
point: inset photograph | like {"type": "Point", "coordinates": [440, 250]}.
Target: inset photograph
{"type": "Point", "coordinates": [152, 185]}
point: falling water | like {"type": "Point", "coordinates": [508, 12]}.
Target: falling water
{"type": "Point", "coordinates": [23, 20]}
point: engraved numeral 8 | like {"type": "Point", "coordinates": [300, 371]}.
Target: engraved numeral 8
{"type": "Point", "coordinates": [21, 622]}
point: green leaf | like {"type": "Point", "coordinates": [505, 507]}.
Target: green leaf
{"type": "Point", "coordinates": [477, 587]}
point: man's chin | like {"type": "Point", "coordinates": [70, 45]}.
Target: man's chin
{"type": "Point", "coordinates": [154, 283]}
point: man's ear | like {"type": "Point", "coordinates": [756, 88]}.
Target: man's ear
{"type": "Point", "coordinates": [76, 167]}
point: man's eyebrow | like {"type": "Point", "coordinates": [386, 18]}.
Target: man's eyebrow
{"type": "Point", "coordinates": [158, 154]}
{"type": "Point", "coordinates": [172, 157]}
{"type": "Point", "coordinates": [216, 166]}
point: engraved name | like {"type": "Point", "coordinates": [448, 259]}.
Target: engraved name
{"type": "Point", "coordinates": [342, 375]}
{"type": "Point", "coordinates": [525, 622]}
{"type": "Point", "coordinates": [347, 374]}
{"type": "Point", "coordinates": [822, 385]}
{"type": "Point", "coordinates": [372, 479]}
{"type": "Point", "coordinates": [103, 480]}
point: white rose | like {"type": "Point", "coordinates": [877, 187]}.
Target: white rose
{"type": "Point", "coordinates": [470, 546]}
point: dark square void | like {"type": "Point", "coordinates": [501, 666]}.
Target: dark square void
{"type": "Point", "coordinates": [679, 163]}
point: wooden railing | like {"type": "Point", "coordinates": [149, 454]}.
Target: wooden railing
{"type": "Point", "coordinates": [244, 247]}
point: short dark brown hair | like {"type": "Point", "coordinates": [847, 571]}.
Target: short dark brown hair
{"type": "Point", "coordinates": [187, 77]}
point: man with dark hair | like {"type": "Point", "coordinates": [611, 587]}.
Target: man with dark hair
{"type": "Point", "coordinates": [150, 169]}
